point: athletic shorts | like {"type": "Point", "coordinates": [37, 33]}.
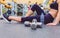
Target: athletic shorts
{"type": "Point", "coordinates": [48, 18]}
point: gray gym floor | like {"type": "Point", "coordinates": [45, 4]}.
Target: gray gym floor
{"type": "Point", "coordinates": [16, 30]}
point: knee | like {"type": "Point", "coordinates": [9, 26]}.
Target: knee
{"type": "Point", "coordinates": [35, 5]}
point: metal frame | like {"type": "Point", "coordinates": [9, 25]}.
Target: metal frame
{"type": "Point", "coordinates": [1, 14]}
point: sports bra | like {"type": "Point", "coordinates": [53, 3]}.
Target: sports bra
{"type": "Point", "coordinates": [54, 5]}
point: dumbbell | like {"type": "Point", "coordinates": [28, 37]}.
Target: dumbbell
{"type": "Point", "coordinates": [36, 25]}
{"type": "Point", "coordinates": [39, 24]}
{"type": "Point", "coordinates": [27, 23]}
{"type": "Point", "coordinates": [33, 26]}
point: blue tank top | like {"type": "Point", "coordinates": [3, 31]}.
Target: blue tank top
{"type": "Point", "coordinates": [54, 5]}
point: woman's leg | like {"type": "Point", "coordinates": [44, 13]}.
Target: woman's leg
{"type": "Point", "coordinates": [47, 18]}
{"type": "Point", "coordinates": [18, 19]}
{"type": "Point", "coordinates": [23, 19]}
{"type": "Point", "coordinates": [35, 8]}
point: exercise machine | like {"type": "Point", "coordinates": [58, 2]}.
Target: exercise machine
{"type": "Point", "coordinates": [3, 2]}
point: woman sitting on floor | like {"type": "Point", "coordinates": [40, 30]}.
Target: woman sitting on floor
{"type": "Point", "coordinates": [52, 18]}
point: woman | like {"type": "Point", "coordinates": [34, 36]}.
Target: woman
{"type": "Point", "coordinates": [50, 19]}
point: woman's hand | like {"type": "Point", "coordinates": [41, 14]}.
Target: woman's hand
{"type": "Point", "coordinates": [51, 24]}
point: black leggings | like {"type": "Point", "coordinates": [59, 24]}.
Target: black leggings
{"type": "Point", "coordinates": [47, 18]}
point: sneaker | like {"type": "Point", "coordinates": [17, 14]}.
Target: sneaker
{"type": "Point", "coordinates": [5, 16]}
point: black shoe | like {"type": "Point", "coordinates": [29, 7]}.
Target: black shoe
{"type": "Point", "coordinates": [6, 17]}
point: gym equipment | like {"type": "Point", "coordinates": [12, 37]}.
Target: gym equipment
{"type": "Point", "coordinates": [34, 24]}
{"type": "Point", "coordinates": [27, 23]}
{"type": "Point", "coordinates": [42, 18]}
{"type": "Point", "coordinates": [3, 2]}
{"type": "Point", "coordinates": [1, 16]}
{"type": "Point", "coordinates": [8, 6]}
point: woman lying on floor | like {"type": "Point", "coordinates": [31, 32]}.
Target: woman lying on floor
{"type": "Point", "coordinates": [52, 18]}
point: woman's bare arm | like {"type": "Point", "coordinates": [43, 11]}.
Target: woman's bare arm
{"type": "Point", "coordinates": [57, 19]}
